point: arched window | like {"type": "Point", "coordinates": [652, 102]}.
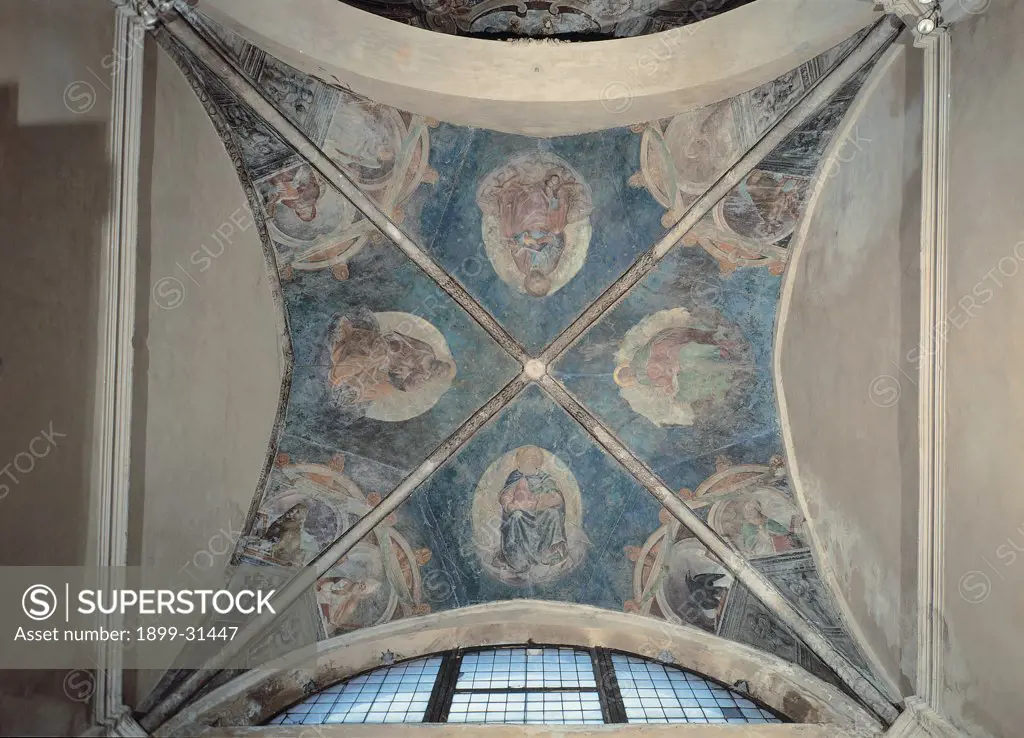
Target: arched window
{"type": "Point", "coordinates": [527, 684]}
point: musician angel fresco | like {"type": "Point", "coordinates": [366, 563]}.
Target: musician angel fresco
{"type": "Point", "coordinates": [368, 363]}
{"type": "Point", "coordinates": [340, 596]}
{"type": "Point", "coordinates": [532, 516]}
{"type": "Point", "coordinates": [297, 189]}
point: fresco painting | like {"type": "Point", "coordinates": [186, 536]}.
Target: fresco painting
{"type": "Point", "coordinates": [395, 364]}
{"type": "Point", "coordinates": [384, 365]}
{"type": "Point", "coordinates": [531, 507]}
{"type": "Point", "coordinates": [671, 365]}
{"type": "Point", "coordinates": [387, 365]}
{"type": "Point", "coordinates": [592, 20]}
{"type": "Point", "coordinates": [765, 523]}
{"type": "Point", "coordinates": [682, 157]}
{"type": "Point", "coordinates": [680, 370]}
{"type": "Point", "coordinates": [749, 621]}
{"type": "Point", "coordinates": [749, 505]}
{"type": "Point", "coordinates": [535, 229]}
{"type": "Point", "coordinates": [384, 151]}
{"type": "Point", "coordinates": [540, 535]}
{"type": "Point", "coordinates": [377, 581]}
{"type": "Point", "coordinates": [676, 578]}
{"type": "Point", "coordinates": [536, 222]}
{"type": "Point", "coordinates": [313, 226]}
{"type": "Point", "coordinates": [310, 506]}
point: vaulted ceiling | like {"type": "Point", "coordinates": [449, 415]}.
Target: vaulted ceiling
{"type": "Point", "coordinates": [531, 350]}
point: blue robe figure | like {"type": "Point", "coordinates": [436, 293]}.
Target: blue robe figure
{"type": "Point", "coordinates": [532, 517]}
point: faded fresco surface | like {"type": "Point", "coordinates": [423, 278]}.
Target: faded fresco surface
{"type": "Point", "coordinates": [384, 365]}
{"type": "Point", "coordinates": [577, 19]}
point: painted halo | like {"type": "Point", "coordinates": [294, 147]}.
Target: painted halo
{"type": "Point", "coordinates": [531, 170]}
{"type": "Point", "coordinates": [401, 406]}
{"type": "Point", "coordinates": [487, 514]}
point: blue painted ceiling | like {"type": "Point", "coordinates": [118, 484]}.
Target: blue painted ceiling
{"type": "Point", "coordinates": [385, 365]}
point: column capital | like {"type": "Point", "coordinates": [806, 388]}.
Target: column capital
{"type": "Point", "coordinates": [919, 720]}
{"type": "Point", "coordinates": [149, 12]}
{"type": "Point", "coordinates": [120, 725]}
{"type": "Point", "coordinates": [923, 17]}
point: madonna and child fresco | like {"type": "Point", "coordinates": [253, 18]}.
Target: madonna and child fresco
{"type": "Point", "coordinates": [536, 222]}
{"type": "Point", "coordinates": [391, 365]}
{"type": "Point", "coordinates": [527, 518]}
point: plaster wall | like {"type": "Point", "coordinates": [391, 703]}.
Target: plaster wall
{"type": "Point", "coordinates": [54, 108]}
{"type": "Point", "coordinates": [984, 601]}
{"type": "Point", "coordinates": [856, 268]}
{"type": "Point", "coordinates": [208, 362]}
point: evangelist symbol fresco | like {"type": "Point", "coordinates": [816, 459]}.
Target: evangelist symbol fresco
{"type": "Point", "coordinates": [527, 518]}
{"type": "Point", "coordinates": [672, 366]}
{"type": "Point", "coordinates": [392, 365]}
{"type": "Point", "coordinates": [536, 222]}
{"type": "Point", "coordinates": [675, 577]}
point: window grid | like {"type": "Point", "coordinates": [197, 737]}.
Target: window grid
{"type": "Point", "coordinates": [527, 685]}
{"type": "Point", "coordinates": [517, 668]}
{"type": "Point", "coordinates": [542, 708]}
{"type": "Point", "coordinates": [396, 694]}
{"type": "Point", "coordinates": [652, 693]}
{"type": "Point", "coordinates": [532, 685]}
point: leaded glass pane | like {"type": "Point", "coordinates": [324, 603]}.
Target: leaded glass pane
{"type": "Point", "coordinates": [654, 693]}
{"type": "Point", "coordinates": [394, 694]}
